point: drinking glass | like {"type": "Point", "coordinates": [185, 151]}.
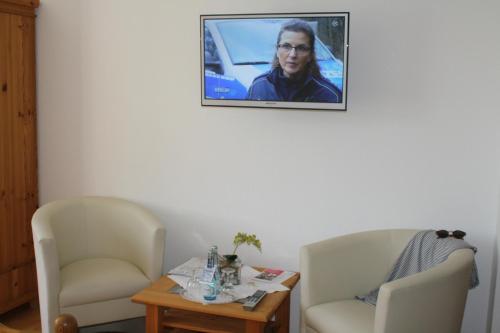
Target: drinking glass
{"type": "Point", "coordinates": [194, 288]}
{"type": "Point", "coordinates": [227, 278]}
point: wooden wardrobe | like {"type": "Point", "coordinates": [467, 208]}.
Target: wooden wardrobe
{"type": "Point", "coordinates": [18, 155]}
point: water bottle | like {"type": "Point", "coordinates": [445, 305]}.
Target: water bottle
{"type": "Point", "coordinates": [213, 287]}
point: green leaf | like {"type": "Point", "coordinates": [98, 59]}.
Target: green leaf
{"type": "Point", "coordinates": [243, 238]}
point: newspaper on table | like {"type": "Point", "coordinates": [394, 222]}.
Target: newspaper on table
{"type": "Point", "coordinates": [187, 269]}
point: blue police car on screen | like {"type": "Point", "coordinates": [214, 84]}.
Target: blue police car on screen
{"type": "Point", "coordinates": [219, 86]}
{"type": "Point", "coordinates": [238, 50]}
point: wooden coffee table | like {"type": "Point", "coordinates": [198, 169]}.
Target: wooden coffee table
{"type": "Point", "coordinates": [166, 310]}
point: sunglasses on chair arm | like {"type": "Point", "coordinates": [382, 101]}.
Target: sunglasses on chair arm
{"type": "Point", "coordinates": [458, 234]}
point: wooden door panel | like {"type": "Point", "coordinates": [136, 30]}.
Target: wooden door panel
{"type": "Point", "coordinates": [23, 281]}
{"type": "Point", "coordinates": [5, 288]}
{"type": "Point", "coordinates": [17, 286]}
{"type": "Point", "coordinates": [16, 103]}
{"type": "Point", "coordinates": [15, 97]}
{"type": "Point", "coordinates": [7, 246]}
{"type": "Point", "coordinates": [24, 135]}
{"type": "Point", "coordinates": [29, 105]}
{"type": "Point", "coordinates": [29, 131]}
{"type": "Point", "coordinates": [6, 227]}
{"type": "Point", "coordinates": [21, 240]}
{"type": "Point", "coordinates": [18, 155]}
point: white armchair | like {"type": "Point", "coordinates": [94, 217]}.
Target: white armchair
{"type": "Point", "coordinates": [92, 254]}
{"type": "Point", "coordinates": [336, 270]}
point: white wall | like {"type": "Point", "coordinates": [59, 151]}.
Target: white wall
{"type": "Point", "coordinates": [119, 114]}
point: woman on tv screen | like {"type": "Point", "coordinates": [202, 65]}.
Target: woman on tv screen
{"type": "Point", "coordinates": [295, 75]}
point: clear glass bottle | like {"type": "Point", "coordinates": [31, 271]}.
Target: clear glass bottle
{"type": "Point", "coordinates": [213, 287]}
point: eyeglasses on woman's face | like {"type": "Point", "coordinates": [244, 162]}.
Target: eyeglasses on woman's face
{"type": "Point", "coordinates": [458, 234]}
{"type": "Point", "coordinates": [299, 49]}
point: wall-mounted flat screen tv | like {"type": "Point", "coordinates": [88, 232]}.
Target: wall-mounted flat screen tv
{"type": "Point", "coordinates": [296, 61]}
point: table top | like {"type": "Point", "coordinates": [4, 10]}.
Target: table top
{"type": "Point", "coordinates": [157, 294]}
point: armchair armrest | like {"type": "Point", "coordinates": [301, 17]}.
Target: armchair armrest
{"type": "Point", "coordinates": [432, 301]}
{"type": "Point", "coordinates": [47, 266]}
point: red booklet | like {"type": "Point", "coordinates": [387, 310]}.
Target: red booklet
{"type": "Point", "coordinates": [273, 276]}
{"type": "Point", "coordinates": [269, 274]}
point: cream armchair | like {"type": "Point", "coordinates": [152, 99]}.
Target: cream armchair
{"type": "Point", "coordinates": [92, 254]}
{"type": "Point", "coordinates": [334, 271]}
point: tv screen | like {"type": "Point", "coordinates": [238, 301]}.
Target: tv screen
{"type": "Point", "coordinates": [294, 61]}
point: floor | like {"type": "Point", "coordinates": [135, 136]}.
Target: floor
{"type": "Point", "coordinates": [27, 318]}
{"type": "Point", "coordinates": [24, 317]}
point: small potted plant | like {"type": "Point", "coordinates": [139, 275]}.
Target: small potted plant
{"type": "Point", "coordinates": [232, 260]}
{"type": "Point", "coordinates": [243, 238]}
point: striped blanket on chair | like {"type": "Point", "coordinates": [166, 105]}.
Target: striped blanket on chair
{"type": "Point", "coordinates": [424, 251]}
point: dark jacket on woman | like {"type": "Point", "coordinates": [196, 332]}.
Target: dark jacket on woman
{"type": "Point", "coordinates": [274, 86]}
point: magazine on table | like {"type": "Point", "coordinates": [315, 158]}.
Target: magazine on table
{"type": "Point", "coordinates": [270, 275]}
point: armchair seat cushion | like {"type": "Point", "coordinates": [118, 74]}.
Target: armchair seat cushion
{"type": "Point", "coordinates": [99, 279]}
{"type": "Point", "coordinates": [349, 316]}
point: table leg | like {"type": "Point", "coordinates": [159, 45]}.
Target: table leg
{"type": "Point", "coordinates": [283, 316]}
{"type": "Point", "coordinates": [254, 326]}
{"type": "Point", "coordinates": [154, 316]}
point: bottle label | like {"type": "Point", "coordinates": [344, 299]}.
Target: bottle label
{"type": "Point", "coordinates": [208, 274]}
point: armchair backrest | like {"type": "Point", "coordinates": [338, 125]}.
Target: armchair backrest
{"type": "Point", "coordinates": [99, 227]}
